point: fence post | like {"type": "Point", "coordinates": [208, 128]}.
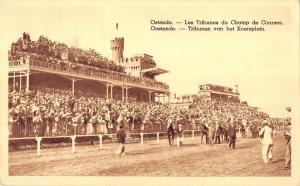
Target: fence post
{"type": "Point", "coordinates": [193, 136]}
{"type": "Point", "coordinates": [100, 143]}
{"type": "Point", "coordinates": [38, 146]}
{"type": "Point", "coordinates": [73, 144]}
{"type": "Point", "coordinates": [157, 138]}
{"type": "Point", "coordinates": [142, 138]}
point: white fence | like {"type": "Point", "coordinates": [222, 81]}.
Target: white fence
{"type": "Point", "coordinates": [100, 136]}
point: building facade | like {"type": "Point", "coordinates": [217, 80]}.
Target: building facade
{"type": "Point", "coordinates": [45, 62]}
{"type": "Point", "coordinates": [219, 93]}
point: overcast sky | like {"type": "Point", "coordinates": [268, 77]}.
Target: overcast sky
{"type": "Point", "coordinates": [262, 64]}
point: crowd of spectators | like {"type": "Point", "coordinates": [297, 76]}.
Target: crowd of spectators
{"type": "Point", "coordinates": [58, 56]}
{"type": "Point", "coordinates": [47, 48]}
{"type": "Point", "coordinates": [48, 112]}
{"type": "Point", "coordinates": [45, 112]}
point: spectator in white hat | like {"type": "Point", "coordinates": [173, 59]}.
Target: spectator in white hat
{"type": "Point", "coordinates": [266, 134]}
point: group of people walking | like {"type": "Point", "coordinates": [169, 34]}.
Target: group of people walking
{"type": "Point", "coordinates": [174, 131]}
{"type": "Point", "coordinates": [213, 134]}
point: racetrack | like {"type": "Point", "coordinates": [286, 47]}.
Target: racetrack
{"type": "Point", "coordinates": [152, 160]}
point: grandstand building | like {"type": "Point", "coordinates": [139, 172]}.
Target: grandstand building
{"type": "Point", "coordinates": [49, 64]}
{"type": "Point", "coordinates": [219, 93]}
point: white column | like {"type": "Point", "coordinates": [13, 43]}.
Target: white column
{"type": "Point", "coordinates": [14, 82]}
{"type": "Point", "coordinates": [73, 144]}
{"type": "Point", "coordinates": [111, 91]}
{"type": "Point", "coordinates": [100, 142]}
{"type": "Point", "coordinates": [20, 87]}
{"type": "Point", "coordinates": [107, 85]}
{"type": "Point", "coordinates": [122, 94]}
{"type": "Point", "coordinates": [193, 136]}
{"type": "Point", "coordinates": [38, 146]}
{"type": "Point", "coordinates": [150, 96]}
{"type": "Point", "coordinates": [142, 138]}
{"type": "Point", "coordinates": [27, 82]}
{"type": "Point", "coordinates": [73, 82]}
{"type": "Point", "coordinates": [157, 138]}
{"type": "Point", "coordinates": [126, 88]}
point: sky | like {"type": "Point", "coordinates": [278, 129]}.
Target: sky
{"type": "Point", "coordinates": [263, 64]}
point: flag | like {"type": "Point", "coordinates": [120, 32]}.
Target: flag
{"type": "Point", "coordinates": [117, 26]}
{"type": "Point", "coordinates": [289, 109]}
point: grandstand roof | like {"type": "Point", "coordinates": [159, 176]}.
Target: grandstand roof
{"type": "Point", "coordinates": [154, 71]}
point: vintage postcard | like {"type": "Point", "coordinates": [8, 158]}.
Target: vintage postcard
{"type": "Point", "coordinates": [149, 92]}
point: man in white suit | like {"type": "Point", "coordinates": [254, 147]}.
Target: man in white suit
{"type": "Point", "coordinates": [266, 134]}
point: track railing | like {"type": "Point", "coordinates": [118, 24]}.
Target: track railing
{"type": "Point", "coordinates": [100, 136]}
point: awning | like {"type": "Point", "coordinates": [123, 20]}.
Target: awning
{"type": "Point", "coordinates": [154, 71]}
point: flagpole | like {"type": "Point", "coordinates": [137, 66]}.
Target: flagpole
{"type": "Point", "coordinates": [117, 29]}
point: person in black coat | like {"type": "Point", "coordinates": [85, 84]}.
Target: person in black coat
{"type": "Point", "coordinates": [232, 135]}
{"type": "Point", "coordinates": [121, 135]}
{"type": "Point", "coordinates": [204, 133]}
{"type": "Point", "coordinates": [170, 131]}
{"type": "Point", "coordinates": [218, 134]}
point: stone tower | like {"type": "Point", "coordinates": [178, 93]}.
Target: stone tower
{"type": "Point", "coordinates": [117, 48]}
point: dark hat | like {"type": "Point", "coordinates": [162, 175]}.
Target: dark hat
{"type": "Point", "coordinates": [289, 123]}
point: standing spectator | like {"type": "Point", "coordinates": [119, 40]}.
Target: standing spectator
{"type": "Point", "coordinates": [266, 135]}
{"type": "Point", "coordinates": [94, 122]}
{"type": "Point", "coordinates": [108, 122]}
{"type": "Point", "coordinates": [288, 151]}
{"type": "Point", "coordinates": [21, 126]}
{"type": "Point", "coordinates": [29, 126]}
{"type": "Point", "coordinates": [75, 123]}
{"type": "Point", "coordinates": [85, 120]}
{"type": "Point", "coordinates": [211, 133]}
{"type": "Point", "coordinates": [179, 131]}
{"type": "Point", "coordinates": [170, 130]}
{"type": "Point", "coordinates": [89, 130]}
{"type": "Point", "coordinates": [218, 134]}
{"type": "Point", "coordinates": [204, 133]}
{"type": "Point", "coordinates": [243, 131]}
{"type": "Point", "coordinates": [225, 132]}
{"type": "Point", "coordinates": [232, 135]}
{"type": "Point", "coordinates": [103, 129]}
{"type": "Point", "coordinates": [121, 135]}
{"type": "Point", "coordinates": [10, 125]}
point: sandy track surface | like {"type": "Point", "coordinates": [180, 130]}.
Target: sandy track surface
{"type": "Point", "coordinates": [192, 159]}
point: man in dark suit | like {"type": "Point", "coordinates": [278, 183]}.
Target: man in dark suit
{"type": "Point", "coordinates": [121, 135]}
{"type": "Point", "coordinates": [232, 134]}
{"type": "Point", "coordinates": [204, 133]}
{"type": "Point", "coordinates": [170, 130]}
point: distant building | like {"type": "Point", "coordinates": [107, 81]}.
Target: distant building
{"type": "Point", "coordinates": [217, 92]}
{"type": "Point", "coordinates": [141, 65]}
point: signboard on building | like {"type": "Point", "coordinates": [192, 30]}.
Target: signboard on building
{"type": "Point", "coordinates": [18, 65]}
